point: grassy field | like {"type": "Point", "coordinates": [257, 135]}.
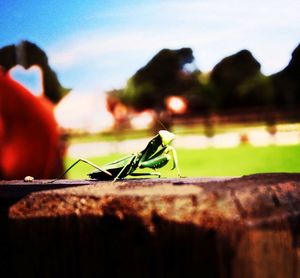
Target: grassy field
{"type": "Point", "coordinates": [217, 162]}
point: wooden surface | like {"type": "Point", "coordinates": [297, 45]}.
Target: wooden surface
{"type": "Point", "coordinates": [210, 227]}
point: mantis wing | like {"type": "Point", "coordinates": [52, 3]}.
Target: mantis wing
{"type": "Point", "coordinates": [118, 169]}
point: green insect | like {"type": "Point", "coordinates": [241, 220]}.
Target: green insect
{"type": "Point", "coordinates": [156, 155]}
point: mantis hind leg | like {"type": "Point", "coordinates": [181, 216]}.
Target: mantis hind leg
{"type": "Point", "coordinates": [85, 161]}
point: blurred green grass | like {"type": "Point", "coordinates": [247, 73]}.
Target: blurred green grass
{"type": "Point", "coordinates": [241, 160]}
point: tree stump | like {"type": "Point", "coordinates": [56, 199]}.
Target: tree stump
{"type": "Point", "coordinates": [222, 227]}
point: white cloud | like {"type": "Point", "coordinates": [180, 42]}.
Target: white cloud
{"type": "Point", "coordinates": [213, 29]}
{"type": "Point", "coordinates": [85, 48]}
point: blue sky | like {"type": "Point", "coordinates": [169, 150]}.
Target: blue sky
{"type": "Point", "coordinates": [98, 45]}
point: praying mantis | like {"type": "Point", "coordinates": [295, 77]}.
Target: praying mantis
{"type": "Point", "coordinates": [157, 154]}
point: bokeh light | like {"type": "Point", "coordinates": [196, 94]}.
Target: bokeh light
{"type": "Point", "coordinates": [177, 105]}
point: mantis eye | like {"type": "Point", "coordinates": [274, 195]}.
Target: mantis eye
{"type": "Point", "coordinates": [166, 137]}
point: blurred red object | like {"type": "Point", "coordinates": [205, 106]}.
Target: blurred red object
{"type": "Point", "coordinates": [29, 137]}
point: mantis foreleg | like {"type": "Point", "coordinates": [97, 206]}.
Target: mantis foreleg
{"type": "Point", "coordinates": [146, 174]}
{"type": "Point", "coordinates": [175, 160]}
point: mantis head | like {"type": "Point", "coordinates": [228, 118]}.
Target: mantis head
{"type": "Point", "coordinates": [166, 137]}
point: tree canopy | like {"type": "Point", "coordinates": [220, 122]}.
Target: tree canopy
{"type": "Point", "coordinates": [163, 75]}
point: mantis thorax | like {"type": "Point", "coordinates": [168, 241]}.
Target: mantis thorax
{"type": "Point", "coordinates": [166, 137]}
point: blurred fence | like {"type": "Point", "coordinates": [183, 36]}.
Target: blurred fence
{"type": "Point", "coordinates": [239, 116]}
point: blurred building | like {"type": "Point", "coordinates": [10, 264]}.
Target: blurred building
{"type": "Point", "coordinates": [82, 111]}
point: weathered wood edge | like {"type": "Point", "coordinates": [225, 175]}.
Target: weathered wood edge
{"type": "Point", "coordinates": [254, 200]}
{"type": "Point", "coordinates": [20, 188]}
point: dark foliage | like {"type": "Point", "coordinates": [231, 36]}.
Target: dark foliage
{"type": "Point", "coordinates": [286, 83]}
{"type": "Point", "coordinates": [30, 54]}
{"type": "Point", "coordinates": [163, 75]}
{"type": "Point", "coordinates": [231, 78]}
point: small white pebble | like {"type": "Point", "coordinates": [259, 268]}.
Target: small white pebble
{"type": "Point", "coordinates": [29, 179]}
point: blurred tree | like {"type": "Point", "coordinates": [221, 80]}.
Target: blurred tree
{"type": "Point", "coordinates": [235, 82]}
{"type": "Point", "coordinates": [202, 97]}
{"type": "Point", "coordinates": [8, 57]}
{"type": "Point", "coordinates": [231, 76]}
{"type": "Point", "coordinates": [286, 83]}
{"type": "Point", "coordinates": [164, 75]}
{"type": "Point", "coordinates": [256, 91]}
{"type": "Point", "coordinates": [27, 54]}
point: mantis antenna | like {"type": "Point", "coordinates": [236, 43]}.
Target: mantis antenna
{"type": "Point", "coordinates": [161, 123]}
